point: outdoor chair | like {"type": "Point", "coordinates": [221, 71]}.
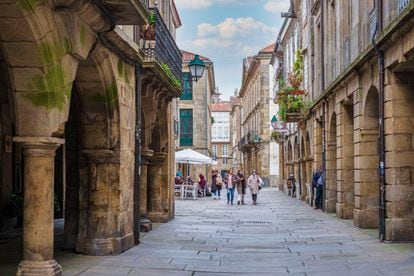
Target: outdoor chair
{"type": "Point", "coordinates": [191, 190]}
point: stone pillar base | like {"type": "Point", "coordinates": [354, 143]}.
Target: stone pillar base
{"type": "Point", "coordinates": [367, 219]}
{"type": "Point", "coordinates": [330, 206]}
{"type": "Point", "coordinates": [343, 211]}
{"type": "Point", "coordinates": [399, 230]}
{"type": "Point", "coordinates": [44, 268]}
{"type": "Point", "coordinates": [146, 225]}
{"type": "Point", "coordinates": [158, 217]}
{"type": "Point", "coordinates": [101, 247]}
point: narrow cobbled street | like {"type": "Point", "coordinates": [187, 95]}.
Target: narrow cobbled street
{"type": "Point", "coordinates": [279, 236]}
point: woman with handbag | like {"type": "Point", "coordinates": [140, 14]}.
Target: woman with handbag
{"type": "Point", "coordinates": [254, 183]}
{"type": "Point", "coordinates": [216, 184]}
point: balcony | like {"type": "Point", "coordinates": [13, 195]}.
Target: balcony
{"type": "Point", "coordinates": [162, 53]}
{"type": "Point", "coordinates": [253, 137]}
{"type": "Point", "coordinates": [127, 12]}
{"type": "Point", "coordinates": [402, 4]}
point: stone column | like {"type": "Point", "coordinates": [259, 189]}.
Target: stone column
{"type": "Point", "coordinates": [103, 227]}
{"type": "Point", "coordinates": [146, 225]}
{"type": "Point", "coordinates": [38, 228]}
{"type": "Point", "coordinates": [156, 211]}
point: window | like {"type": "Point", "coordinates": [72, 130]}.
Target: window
{"type": "Point", "coordinates": [214, 151]}
{"type": "Point", "coordinates": [187, 87]}
{"type": "Point", "coordinates": [225, 160]}
{"type": "Point", "coordinates": [225, 150]}
{"type": "Point", "coordinates": [186, 127]}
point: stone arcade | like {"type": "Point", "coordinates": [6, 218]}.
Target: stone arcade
{"type": "Point", "coordinates": [69, 79]}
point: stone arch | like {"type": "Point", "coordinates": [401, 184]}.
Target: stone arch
{"type": "Point", "coordinates": [103, 104]}
{"type": "Point", "coordinates": [308, 154]}
{"type": "Point", "coordinates": [290, 152]}
{"type": "Point", "coordinates": [366, 165]}
{"type": "Point", "coordinates": [303, 170]}
{"type": "Point", "coordinates": [42, 45]}
{"type": "Point", "coordinates": [346, 198]}
{"type": "Point", "coordinates": [331, 183]}
{"type": "Point", "coordinates": [289, 167]}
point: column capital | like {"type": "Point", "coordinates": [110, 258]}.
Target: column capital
{"type": "Point", "coordinates": [100, 156]}
{"type": "Point", "coordinates": [39, 146]}
{"type": "Point", "coordinates": [158, 157]}
{"type": "Point", "coordinates": [146, 154]}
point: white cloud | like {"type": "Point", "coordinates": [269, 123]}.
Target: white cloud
{"type": "Point", "coordinates": [236, 28]}
{"type": "Point", "coordinates": [194, 5]}
{"type": "Point", "coordinates": [277, 6]}
{"type": "Point", "coordinates": [203, 4]}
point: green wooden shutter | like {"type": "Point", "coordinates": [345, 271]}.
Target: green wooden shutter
{"type": "Point", "coordinates": [187, 87]}
{"type": "Point", "coordinates": [186, 127]}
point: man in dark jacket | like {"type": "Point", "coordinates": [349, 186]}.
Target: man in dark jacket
{"type": "Point", "coordinates": [318, 182]}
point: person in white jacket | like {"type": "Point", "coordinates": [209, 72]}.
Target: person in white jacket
{"type": "Point", "coordinates": [254, 183]}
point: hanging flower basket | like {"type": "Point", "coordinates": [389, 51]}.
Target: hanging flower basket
{"type": "Point", "coordinates": [292, 117]}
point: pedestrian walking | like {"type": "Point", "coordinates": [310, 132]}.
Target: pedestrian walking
{"type": "Point", "coordinates": [292, 180]}
{"type": "Point", "coordinates": [254, 183]}
{"type": "Point", "coordinates": [318, 180]}
{"type": "Point", "coordinates": [216, 184]}
{"type": "Point", "coordinates": [241, 187]}
{"type": "Point", "coordinates": [230, 180]}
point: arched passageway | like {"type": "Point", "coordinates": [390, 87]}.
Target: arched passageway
{"type": "Point", "coordinates": [346, 196]}
{"type": "Point", "coordinates": [366, 165]}
{"type": "Point", "coordinates": [331, 181]}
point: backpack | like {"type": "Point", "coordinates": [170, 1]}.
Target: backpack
{"type": "Point", "coordinates": [319, 182]}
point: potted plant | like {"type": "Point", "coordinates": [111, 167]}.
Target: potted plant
{"type": "Point", "coordinates": [295, 77]}
{"type": "Point", "coordinates": [276, 136]}
{"type": "Point", "coordinates": [148, 30]}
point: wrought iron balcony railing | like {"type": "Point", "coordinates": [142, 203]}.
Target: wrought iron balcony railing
{"type": "Point", "coordinates": [145, 3]}
{"type": "Point", "coordinates": [402, 4]}
{"type": "Point", "coordinates": [164, 48]}
{"type": "Point", "coordinates": [253, 137]}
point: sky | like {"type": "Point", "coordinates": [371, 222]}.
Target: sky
{"type": "Point", "coordinates": [226, 31]}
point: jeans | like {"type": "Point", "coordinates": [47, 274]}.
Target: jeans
{"type": "Point", "coordinates": [230, 195]}
{"type": "Point", "coordinates": [254, 197]}
{"type": "Point", "coordinates": [217, 193]}
{"type": "Point", "coordinates": [319, 197]}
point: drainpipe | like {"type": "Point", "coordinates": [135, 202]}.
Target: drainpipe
{"type": "Point", "coordinates": [381, 142]}
{"type": "Point", "coordinates": [137, 168]}
{"type": "Point", "coordinates": [323, 104]}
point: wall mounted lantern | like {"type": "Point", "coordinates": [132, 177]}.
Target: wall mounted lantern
{"type": "Point", "coordinates": [197, 67]}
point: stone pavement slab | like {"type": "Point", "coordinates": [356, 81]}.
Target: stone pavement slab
{"type": "Point", "coordinates": [280, 236]}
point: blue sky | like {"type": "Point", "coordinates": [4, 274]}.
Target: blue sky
{"type": "Point", "coordinates": [226, 31]}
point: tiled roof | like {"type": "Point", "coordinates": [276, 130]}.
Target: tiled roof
{"type": "Point", "coordinates": [235, 100]}
{"type": "Point", "coordinates": [221, 107]}
{"type": "Point", "coordinates": [187, 56]}
{"type": "Point", "coordinates": [269, 48]}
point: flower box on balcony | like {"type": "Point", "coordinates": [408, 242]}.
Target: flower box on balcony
{"type": "Point", "coordinates": [292, 117]}
{"type": "Point", "coordinates": [297, 92]}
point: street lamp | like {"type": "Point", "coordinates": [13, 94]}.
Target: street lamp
{"type": "Point", "coordinates": [274, 122]}
{"type": "Point", "coordinates": [197, 67]}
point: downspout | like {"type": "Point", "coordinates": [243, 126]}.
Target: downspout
{"type": "Point", "coordinates": [323, 105]}
{"type": "Point", "coordinates": [137, 167]}
{"type": "Point", "coordinates": [207, 123]}
{"type": "Point", "coordinates": [381, 142]}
